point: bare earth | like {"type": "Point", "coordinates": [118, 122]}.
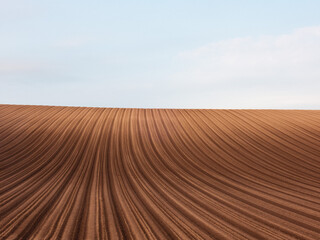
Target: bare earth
{"type": "Point", "coordinates": [107, 173]}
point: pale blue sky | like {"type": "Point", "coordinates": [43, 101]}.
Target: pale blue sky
{"type": "Point", "coordinates": [162, 54]}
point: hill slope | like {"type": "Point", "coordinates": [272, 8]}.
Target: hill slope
{"type": "Point", "coordinates": [95, 173]}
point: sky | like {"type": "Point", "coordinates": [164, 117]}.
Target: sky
{"type": "Point", "coordinates": [234, 54]}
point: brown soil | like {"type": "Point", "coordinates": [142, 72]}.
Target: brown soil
{"type": "Point", "coordinates": [107, 173]}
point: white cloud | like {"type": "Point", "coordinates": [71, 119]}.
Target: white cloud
{"type": "Point", "coordinates": [271, 58]}
{"type": "Point", "coordinates": [254, 72]}
{"type": "Point", "coordinates": [264, 69]}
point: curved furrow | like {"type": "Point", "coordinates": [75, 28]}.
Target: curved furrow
{"type": "Point", "coordinates": [271, 154]}
{"type": "Point", "coordinates": [110, 173]}
{"type": "Point", "coordinates": [256, 201]}
{"type": "Point", "coordinates": [244, 180]}
{"type": "Point", "coordinates": [235, 166]}
{"type": "Point", "coordinates": [47, 184]}
{"type": "Point", "coordinates": [257, 141]}
{"type": "Point", "coordinates": [284, 136]}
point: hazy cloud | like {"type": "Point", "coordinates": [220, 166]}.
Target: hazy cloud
{"type": "Point", "coordinates": [73, 42]}
{"type": "Point", "coordinates": [267, 71]}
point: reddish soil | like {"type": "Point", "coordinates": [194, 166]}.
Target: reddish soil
{"type": "Point", "coordinates": [107, 173]}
